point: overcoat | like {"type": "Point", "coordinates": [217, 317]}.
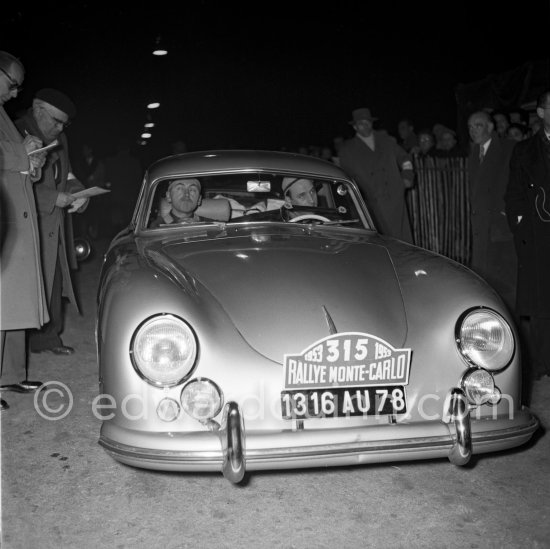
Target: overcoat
{"type": "Point", "coordinates": [22, 298]}
{"type": "Point", "coordinates": [493, 253]}
{"type": "Point", "coordinates": [527, 201]}
{"type": "Point", "coordinates": [378, 175]}
{"type": "Point", "coordinates": [51, 219]}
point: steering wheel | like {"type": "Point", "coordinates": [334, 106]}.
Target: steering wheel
{"type": "Point", "coordinates": [303, 217]}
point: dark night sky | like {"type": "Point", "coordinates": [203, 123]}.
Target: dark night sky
{"type": "Point", "coordinates": [264, 74]}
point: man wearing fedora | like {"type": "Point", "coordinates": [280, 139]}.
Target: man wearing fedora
{"type": "Point", "coordinates": [383, 171]}
{"type": "Point", "coordinates": [51, 112]}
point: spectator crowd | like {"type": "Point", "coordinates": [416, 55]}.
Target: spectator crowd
{"type": "Point", "coordinates": [437, 140]}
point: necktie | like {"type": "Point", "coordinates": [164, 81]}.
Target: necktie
{"type": "Point", "coordinates": [481, 153]}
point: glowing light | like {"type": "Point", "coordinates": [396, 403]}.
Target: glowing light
{"type": "Point", "coordinates": [153, 105]}
{"type": "Point", "coordinates": [159, 47]}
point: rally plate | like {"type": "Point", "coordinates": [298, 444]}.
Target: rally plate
{"type": "Point", "coordinates": [348, 402]}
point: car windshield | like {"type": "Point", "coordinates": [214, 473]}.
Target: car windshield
{"type": "Point", "coordinates": [253, 197]}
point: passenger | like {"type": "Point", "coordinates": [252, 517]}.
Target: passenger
{"type": "Point", "coordinates": [184, 197]}
{"type": "Point", "coordinates": [183, 203]}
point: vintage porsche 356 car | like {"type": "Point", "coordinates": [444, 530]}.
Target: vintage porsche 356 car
{"type": "Point", "coordinates": [264, 334]}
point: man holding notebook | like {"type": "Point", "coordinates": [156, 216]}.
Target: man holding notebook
{"type": "Point", "coordinates": [51, 112]}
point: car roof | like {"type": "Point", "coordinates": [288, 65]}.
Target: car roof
{"type": "Point", "coordinates": [229, 160]}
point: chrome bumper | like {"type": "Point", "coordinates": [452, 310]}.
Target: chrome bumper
{"type": "Point", "coordinates": [227, 447]}
{"type": "Point", "coordinates": [232, 436]}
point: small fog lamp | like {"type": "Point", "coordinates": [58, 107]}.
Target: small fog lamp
{"type": "Point", "coordinates": [168, 409]}
{"type": "Point", "coordinates": [201, 399]}
{"type": "Point", "coordinates": [479, 387]}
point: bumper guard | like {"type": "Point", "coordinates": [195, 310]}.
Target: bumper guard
{"type": "Point", "coordinates": [459, 411]}
{"type": "Point", "coordinates": [232, 438]}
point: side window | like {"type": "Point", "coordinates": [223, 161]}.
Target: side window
{"type": "Point", "coordinates": [160, 204]}
{"type": "Point", "coordinates": [324, 195]}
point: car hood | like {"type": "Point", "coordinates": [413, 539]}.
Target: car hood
{"type": "Point", "coordinates": [283, 291]}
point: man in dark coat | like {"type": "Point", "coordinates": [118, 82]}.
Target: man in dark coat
{"type": "Point", "coordinates": [383, 171]}
{"type": "Point", "coordinates": [493, 254]}
{"type": "Point", "coordinates": [528, 209]}
{"type": "Point", "coordinates": [51, 112]}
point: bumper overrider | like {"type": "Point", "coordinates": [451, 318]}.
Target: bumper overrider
{"type": "Point", "coordinates": [228, 448]}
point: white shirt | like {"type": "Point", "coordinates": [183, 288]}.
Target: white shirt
{"type": "Point", "coordinates": [485, 145]}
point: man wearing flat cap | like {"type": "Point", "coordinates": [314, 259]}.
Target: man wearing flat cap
{"type": "Point", "coordinates": [383, 171]}
{"type": "Point", "coordinates": [299, 191]}
{"type": "Point", "coordinates": [51, 112]}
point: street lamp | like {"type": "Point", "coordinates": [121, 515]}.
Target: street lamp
{"type": "Point", "coordinates": [159, 50]}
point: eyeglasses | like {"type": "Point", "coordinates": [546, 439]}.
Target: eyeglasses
{"type": "Point", "coordinates": [63, 124]}
{"type": "Point", "coordinates": [13, 84]}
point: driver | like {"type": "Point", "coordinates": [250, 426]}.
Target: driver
{"type": "Point", "coordinates": [184, 197]}
{"type": "Point", "coordinates": [299, 192]}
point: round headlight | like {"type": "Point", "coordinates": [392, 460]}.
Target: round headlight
{"type": "Point", "coordinates": [479, 387]}
{"type": "Point", "coordinates": [485, 339]}
{"type": "Point", "coordinates": [201, 399]}
{"type": "Point", "coordinates": [164, 349]}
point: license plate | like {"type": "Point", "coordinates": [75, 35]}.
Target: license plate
{"type": "Point", "coordinates": [343, 402]}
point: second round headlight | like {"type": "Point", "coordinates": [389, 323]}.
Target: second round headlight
{"type": "Point", "coordinates": [486, 339]}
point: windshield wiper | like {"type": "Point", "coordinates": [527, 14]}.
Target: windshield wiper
{"type": "Point", "coordinates": [341, 222]}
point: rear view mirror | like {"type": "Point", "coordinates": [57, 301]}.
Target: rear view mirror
{"type": "Point", "coordinates": [258, 186]}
